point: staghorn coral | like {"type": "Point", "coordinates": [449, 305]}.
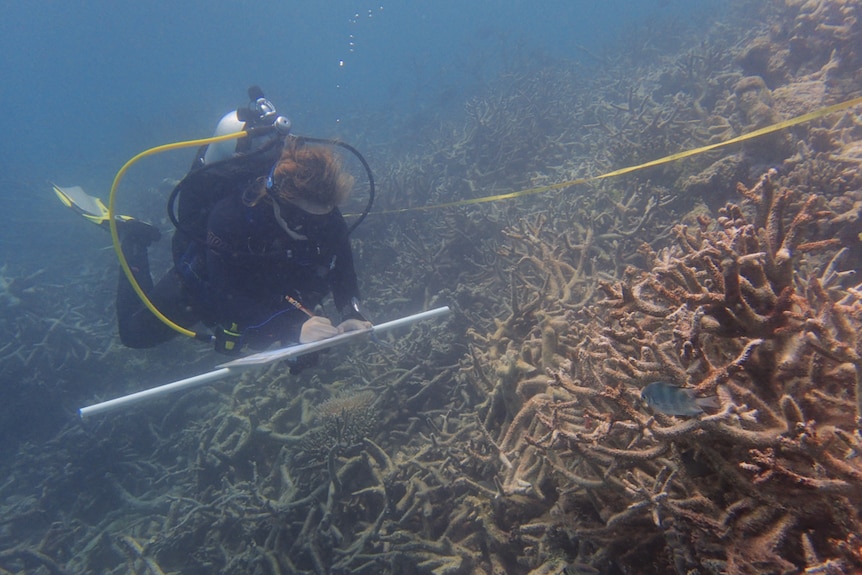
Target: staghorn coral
{"type": "Point", "coordinates": [725, 310]}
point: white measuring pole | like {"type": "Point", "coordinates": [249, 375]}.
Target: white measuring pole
{"type": "Point", "coordinates": [250, 361]}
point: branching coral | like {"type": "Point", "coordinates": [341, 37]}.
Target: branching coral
{"type": "Point", "coordinates": [725, 310]}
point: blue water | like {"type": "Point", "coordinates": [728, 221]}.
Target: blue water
{"type": "Point", "coordinates": [85, 85]}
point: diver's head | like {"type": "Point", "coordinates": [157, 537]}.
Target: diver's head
{"type": "Point", "coordinates": [310, 178]}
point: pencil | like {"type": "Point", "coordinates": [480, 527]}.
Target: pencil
{"type": "Point", "coordinates": [295, 303]}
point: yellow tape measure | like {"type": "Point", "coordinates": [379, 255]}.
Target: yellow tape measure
{"type": "Point", "coordinates": [819, 113]}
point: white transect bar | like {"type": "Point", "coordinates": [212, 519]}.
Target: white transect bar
{"type": "Point", "coordinates": [146, 394]}
{"type": "Point", "coordinates": [256, 359]}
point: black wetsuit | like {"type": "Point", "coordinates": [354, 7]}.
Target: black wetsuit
{"type": "Point", "coordinates": [241, 276]}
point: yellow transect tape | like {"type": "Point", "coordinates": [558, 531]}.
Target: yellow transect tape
{"type": "Point", "coordinates": [819, 113]}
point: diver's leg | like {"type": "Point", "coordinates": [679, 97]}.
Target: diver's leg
{"type": "Point", "coordinates": [138, 326]}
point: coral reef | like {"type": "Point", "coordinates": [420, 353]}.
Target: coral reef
{"type": "Point", "coordinates": [724, 310]}
{"type": "Point", "coordinates": [511, 439]}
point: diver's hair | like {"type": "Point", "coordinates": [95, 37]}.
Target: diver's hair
{"type": "Point", "coordinates": [309, 173]}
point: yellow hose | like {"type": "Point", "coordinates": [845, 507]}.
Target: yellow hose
{"type": "Point", "coordinates": [115, 237]}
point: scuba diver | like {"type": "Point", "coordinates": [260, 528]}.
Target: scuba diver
{"type": "Point", "coordinates": [259, 242]}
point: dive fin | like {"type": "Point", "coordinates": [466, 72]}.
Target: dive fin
{"type": "Point", "coordinates": [81, 203]}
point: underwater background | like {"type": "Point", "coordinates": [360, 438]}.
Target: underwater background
{"type": "Point", "coordinates": [511, 438]}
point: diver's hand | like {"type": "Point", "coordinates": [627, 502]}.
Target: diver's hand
{"type": "Point", "coordinates": [353, 325]}
{"type": "Point", "coordinates": [317, 328]}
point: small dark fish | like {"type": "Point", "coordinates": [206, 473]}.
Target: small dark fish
{"type": "Point", "coordinates": [673, 400]}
